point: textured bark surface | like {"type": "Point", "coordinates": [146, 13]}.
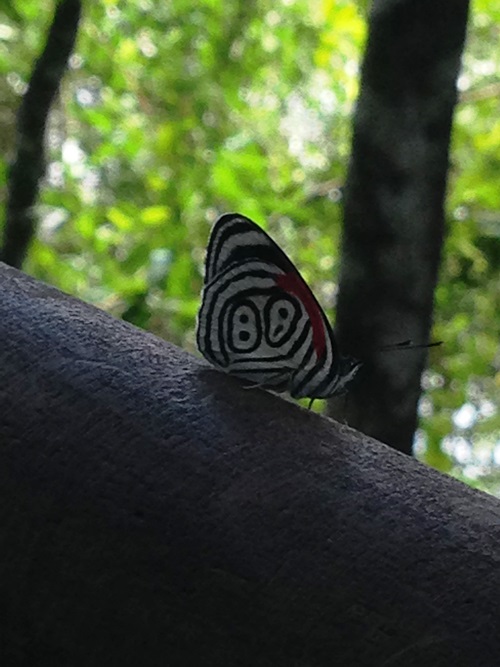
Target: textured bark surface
{"type": "Point", "coordinates": [394, 207]}
{"type": "Point", "coordinates": [153, 512]}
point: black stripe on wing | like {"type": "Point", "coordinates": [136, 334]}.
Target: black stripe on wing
{"type": "Point", "coordinates": [310, 385]}
{"type": "Point", "coordinates": [236, 239]}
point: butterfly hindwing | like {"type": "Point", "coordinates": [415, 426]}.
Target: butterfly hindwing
{"type": "Point", "coordinates": [258, 319]}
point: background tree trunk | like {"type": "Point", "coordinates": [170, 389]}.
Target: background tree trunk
{"type": "Point", "coordinates": [394, 218]}
{"type": "Point", "coordinates": [28, 167]}
{"type": "Point", "coordinates": [153, 511]}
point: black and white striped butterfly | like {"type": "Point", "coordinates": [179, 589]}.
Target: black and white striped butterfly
{"type": "Point", "coordinates": [260, 321]}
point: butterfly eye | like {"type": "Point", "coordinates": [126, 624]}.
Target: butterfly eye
{"type": "Point", "coordinates": [244, 327]}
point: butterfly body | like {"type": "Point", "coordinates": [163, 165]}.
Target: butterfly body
{"type": "Point", "coordinates": [260, 321]}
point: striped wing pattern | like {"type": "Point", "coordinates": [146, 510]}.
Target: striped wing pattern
{"type": "Point", "coordinates": [259, 320]}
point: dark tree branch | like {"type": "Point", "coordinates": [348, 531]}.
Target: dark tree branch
{"type": "Point", "coordinates": [394, 218]}
{"type": "Point", "coordinates": [153, 511]}
{"type": "Point", "coordinates": [29, 163]}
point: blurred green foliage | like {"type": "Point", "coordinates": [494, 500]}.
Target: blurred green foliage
{"type": "Point", "coordinates": [174, 112]}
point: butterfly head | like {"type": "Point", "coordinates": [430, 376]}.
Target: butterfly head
{"type": "Point", "coordinates": [347, 371]}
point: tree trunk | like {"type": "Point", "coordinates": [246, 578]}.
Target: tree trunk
{"type": "Point", "coordinates": [28, 167]}
{"type": "Point", "coordinates": [394, 218]}
{"type": "Point", "coordinates": [154, 512]}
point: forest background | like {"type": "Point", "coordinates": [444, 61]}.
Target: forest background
{"type": "Point", "coordinates": [159, 128]}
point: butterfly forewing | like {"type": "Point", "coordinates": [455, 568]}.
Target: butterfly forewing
{"type": "Point", "coordinates": [258, 319]}
{"type": "Point", "coordinates": [236, 239]}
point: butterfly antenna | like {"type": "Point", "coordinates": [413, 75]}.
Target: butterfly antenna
{"type": "Point", "coordinates": [408, 345]}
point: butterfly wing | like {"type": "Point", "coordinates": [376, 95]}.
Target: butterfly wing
{"type": "Point", "coordinates": [258, 319]}
{"type": "Point", "coordinates": [234, 240]}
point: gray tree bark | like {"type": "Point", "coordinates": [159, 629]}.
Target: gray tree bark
{"type": "Point", "coordinates": [394, 207]}
{"type": "Point", "coordinates": [154, 512]}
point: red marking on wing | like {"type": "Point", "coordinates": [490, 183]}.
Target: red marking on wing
{"type": "Point", "coordinates": [293, 284]}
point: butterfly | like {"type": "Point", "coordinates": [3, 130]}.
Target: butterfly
{"type": "Point", "coordinates": [260, 322]}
